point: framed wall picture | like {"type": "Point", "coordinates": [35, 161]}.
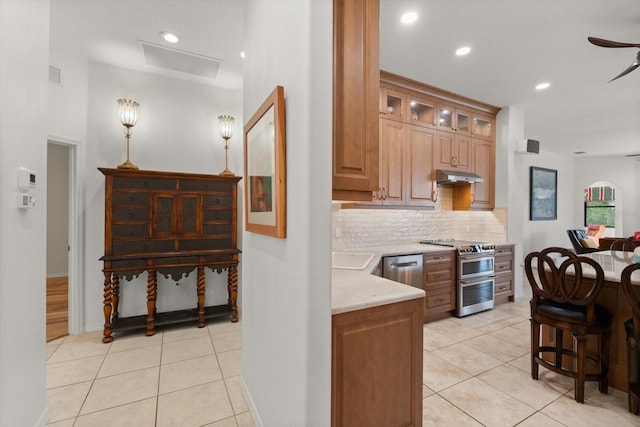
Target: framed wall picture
{"type": "Point", "coordinates": [543, 194]}
{"type": "Point", "coordinates": [265, 168]}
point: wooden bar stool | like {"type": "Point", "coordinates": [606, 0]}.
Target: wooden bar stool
{"type": "Point", "coordinates": [632, 328]}
{"type": "Point", "coordinates": [565, 286]}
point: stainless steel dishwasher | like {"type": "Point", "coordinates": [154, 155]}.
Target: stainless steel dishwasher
{"type": "Point", "coordinates": [405, 269]}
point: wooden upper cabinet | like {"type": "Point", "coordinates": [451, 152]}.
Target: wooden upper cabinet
{"type": "Point", "coordinates": [452, 151]}
{"type": "Point", "coordinates": [483, 126]}
{"type": "Point", "coordinates": [356, 83]}
{"type": "Point", "coordinates": [421, 185]}
{"type": "Point", "coordinates": [393, 104]}
{"type": "Point", "coordinates": [454, 119]}
{"type": "Point", "coordinates": [422, 111]}
{"type": "Point", "coordinates": [392, 163]}
{"type": "Point", "coordinates": [483, 157]}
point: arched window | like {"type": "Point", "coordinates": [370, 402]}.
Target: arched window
{"type": "Point", "coordinates": [600, 206]}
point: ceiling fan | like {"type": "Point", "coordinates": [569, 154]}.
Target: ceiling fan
{"type": "Point", "coordinates": [608, 43]}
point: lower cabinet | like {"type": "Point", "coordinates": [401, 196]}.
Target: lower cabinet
{"type": "Point", "coordinates": [503, 289]}
{"type": "Point", "coordinates": [439, 272]}
{"type": "Point", "coordinates": [376, 366]}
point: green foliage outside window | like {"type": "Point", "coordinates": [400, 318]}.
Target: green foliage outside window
{"type": "Point", "coordinates": [600, 213]}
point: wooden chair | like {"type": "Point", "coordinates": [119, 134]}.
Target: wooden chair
{"type": "Point", "coordinates": [632, 328]}
{"type": "Point", "coordinates": [627, 245]}
{"type": "Point", "coordinates": [565, 286]}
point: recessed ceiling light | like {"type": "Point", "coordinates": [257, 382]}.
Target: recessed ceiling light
{"type": "Point", "coordinates": [242, 54]}
{"type": "Point", "coordinates": [169, 37]}
{"type": "Point", "coordinates": [542, 86]}
{"type": "Point", "coordinates": [463, 51]}
{"type": "Point", "coordinates": [409, 17]}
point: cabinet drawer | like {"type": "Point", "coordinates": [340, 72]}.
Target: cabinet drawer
{"type": "Point", "coordinates": [504, 250]}
{"type": "Point", "coordinates": [217, 215]}
{"type": "Point", "coordinates": [216, 229]}
{"type": "Point", "coordinates": [211, 186]}
{"type": "Point", "coordinates": [130, 214]}
{"type": "Point", "coordinates": [203, 244]}
{"type": "Point", "coordinates": [121, 198]}
{"type": "Point", "coordinates": [503, 265]}
{"type": "Point", "coordinates": [144, 183]}
{"type": "Point", "coordinates": [503, 284]}
{"type": "Point", "coordinates": [214, 201]}
{"type": "Point", "coordinates": [430, 258]}
{"type": "Point", "coordinates": [130, 230]}
{"type": "Point", "coordinates": [142, 246]}
{"type": "Point", "coordinates": [443, 274]}
{"type": "Point", "coordinates": [129, 263]}
{"type": "Point", "coordinates": [439, 300]}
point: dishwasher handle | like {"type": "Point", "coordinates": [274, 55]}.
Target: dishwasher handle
{"type": "Point", "coordinates": [403, 264]}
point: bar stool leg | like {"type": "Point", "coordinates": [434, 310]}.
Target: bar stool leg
{"type": "Point", "coordinates": [581, 341]}
{"type": "Point", "coordinates": [535, 348]}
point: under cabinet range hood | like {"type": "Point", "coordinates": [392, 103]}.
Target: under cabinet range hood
{"type": "Point", "coordinates": [456, 177]}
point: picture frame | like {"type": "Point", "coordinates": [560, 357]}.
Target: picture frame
{"type": "Point", "coordinates": [543, 194]}
{"type": "Point", "coordinates": [265, 168]}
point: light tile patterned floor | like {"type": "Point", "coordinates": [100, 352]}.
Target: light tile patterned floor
{"type": "Point", "coordinates": [476, 372]}
{"type": "Point", "coordinates": [182, 376]}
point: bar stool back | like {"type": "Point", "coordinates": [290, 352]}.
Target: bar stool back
{"type": "Point", "coordinates": [632, 329]}
{"type": "Point", "coordinates": [565, 286]}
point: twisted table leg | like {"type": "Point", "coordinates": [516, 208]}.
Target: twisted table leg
{"type": "Point", "coordinates": [107, 305]}
{"type": "Point", "coordinates": [200, 291]}
{"type": "Point", "coordinates": [232, 286]}
{"type": "Point", "coordinates": [152, 291]}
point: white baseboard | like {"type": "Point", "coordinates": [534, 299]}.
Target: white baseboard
{"type": "Point", "coordinates": [54, 275]}
{"type": "Point", "coordinates": [250, 403]}
{"type": "Point", "coordinates": [44, 418]}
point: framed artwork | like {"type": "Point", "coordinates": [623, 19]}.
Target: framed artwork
{"type": "Point", "coordinates": [543, 194]}
{"type": "Point", "coordinates": [265, 168]}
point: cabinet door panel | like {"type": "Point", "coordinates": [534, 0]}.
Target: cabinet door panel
{"type": "Point", "coordinates": [356, 85]}
{"type": "Point", "coordinates": [163, 215]}
{"type": "Point", "coordinates": [444, 151]}
{"type": "Point", "coordinates": [392, 141]}
{"type": "Point", "coordinates": [421, 186]}
{"type": "Point", "coordinates": [190, 210]}
{"type": "Point", "coordinates": [483, 165]}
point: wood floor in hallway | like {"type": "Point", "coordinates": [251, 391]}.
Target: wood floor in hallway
{"type": "Point", "coordinates": [57, 307]}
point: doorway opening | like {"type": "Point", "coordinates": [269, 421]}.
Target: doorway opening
{"type": "Point", "coordinates": [63, 241]}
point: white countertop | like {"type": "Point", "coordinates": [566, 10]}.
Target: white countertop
{"type": "Point", "coordinates": [612, 262]}
{"type": "Point", "coordinates": [357, 289]}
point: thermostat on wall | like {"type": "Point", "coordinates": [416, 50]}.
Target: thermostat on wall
{"type": "Point", "coordinates": [26, 179]}
{"type": "Point", "coordinates": [26, 201]}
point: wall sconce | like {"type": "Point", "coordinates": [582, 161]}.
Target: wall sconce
{"type": "Point", "coordinates": [128, 112]}
{"type": "Point", "coordinates": [225, 126]}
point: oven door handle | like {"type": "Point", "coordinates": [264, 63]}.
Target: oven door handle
{"type": "Point", "coordinates": [478, 279]}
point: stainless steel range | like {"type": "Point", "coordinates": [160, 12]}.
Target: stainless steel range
{"type": "Point", "coordinates": [474, 274]}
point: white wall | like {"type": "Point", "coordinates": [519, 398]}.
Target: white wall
{"type": "Point", "coordinates": [177, 130]}
{"type": "Point", "coordinates": [24, 54]}
{"type": "Point", "coordinates": [624, 174]}
{"type": "Point", "coordinates": [286, 323]}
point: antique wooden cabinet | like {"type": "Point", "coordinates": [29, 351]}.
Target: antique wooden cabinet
{"type": "Point", "coordinates": [169, 223]}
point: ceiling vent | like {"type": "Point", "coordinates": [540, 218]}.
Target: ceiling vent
{"type": "Point", "coordinates": [180, 60]}
{"type": "Point", "coordinates": [55, 75]}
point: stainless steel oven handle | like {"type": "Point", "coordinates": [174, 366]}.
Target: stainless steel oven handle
{"type": "Point", "coordinates": [477, 279]}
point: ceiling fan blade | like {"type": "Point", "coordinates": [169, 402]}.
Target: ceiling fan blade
{"type": "Point", "coordinates": [629, 69]}
{"type": "Point", "coordinates": [608, 43]}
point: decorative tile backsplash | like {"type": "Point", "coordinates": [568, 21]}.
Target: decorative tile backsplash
{"type": "Point", "coordinates": [361, 228]}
